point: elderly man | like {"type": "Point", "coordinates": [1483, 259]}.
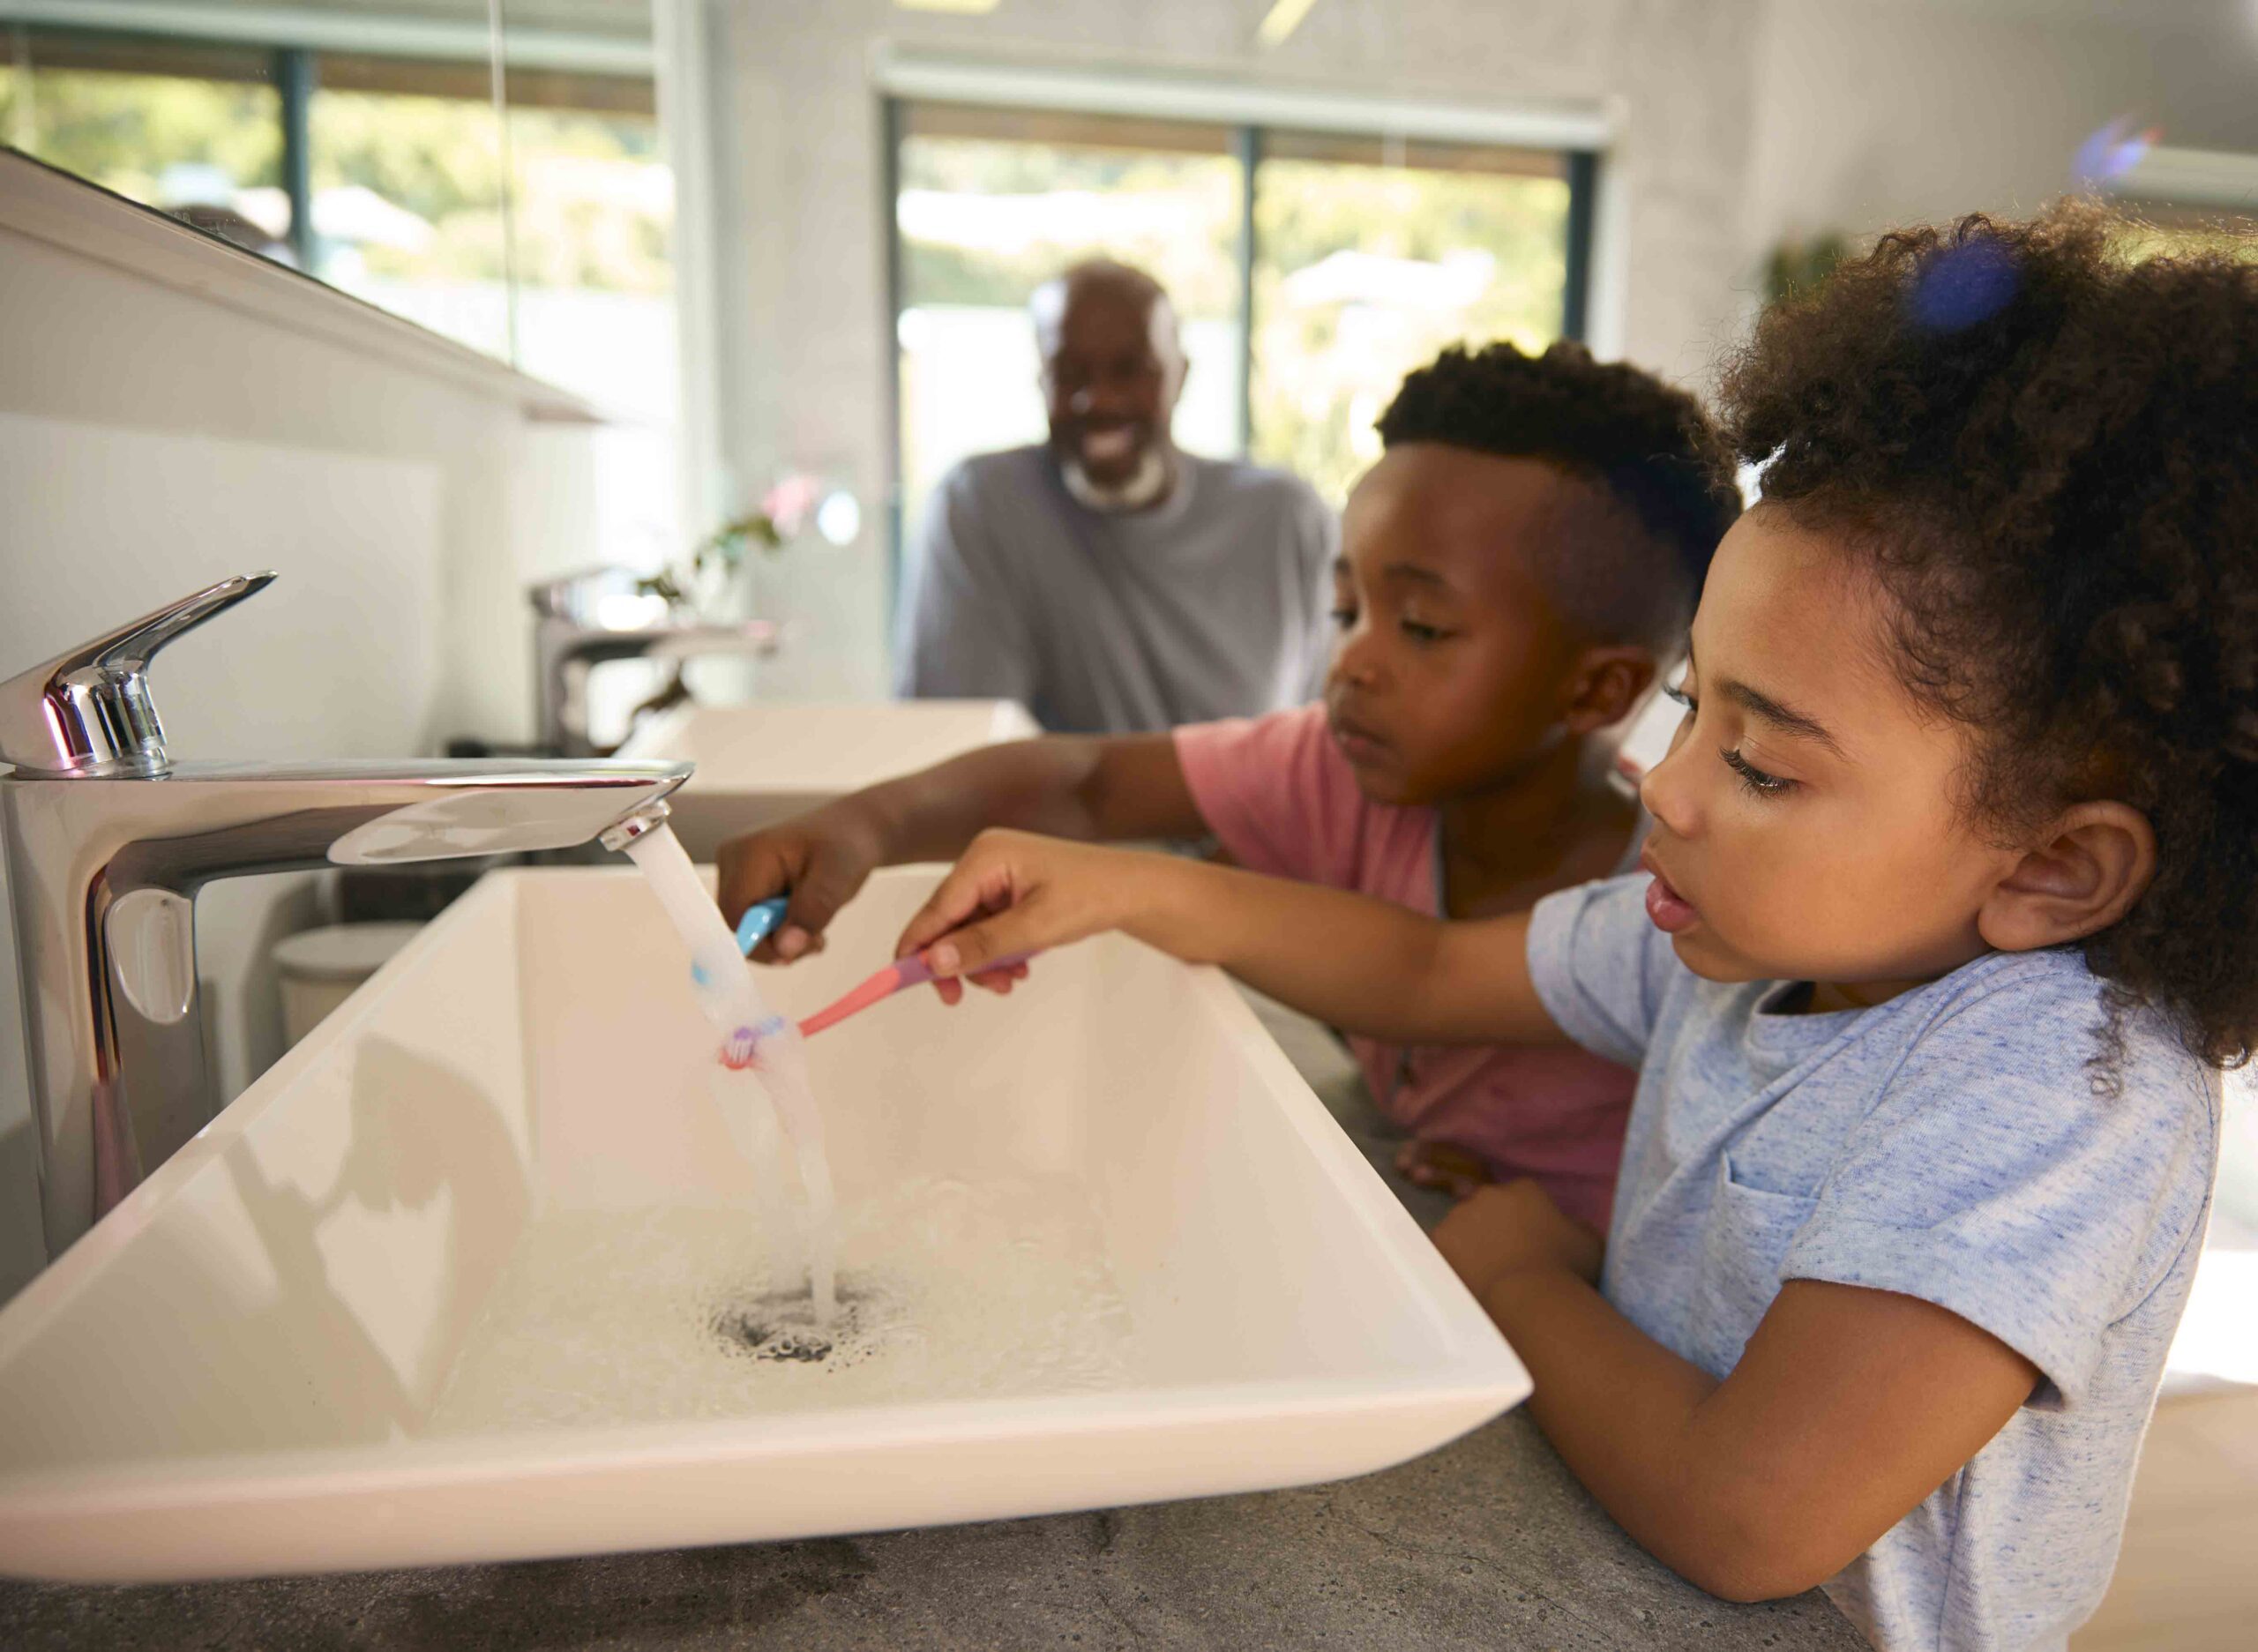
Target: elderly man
{"type": "Point", "coordinates": [1107, 581]}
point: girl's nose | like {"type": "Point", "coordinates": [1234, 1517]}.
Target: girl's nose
{"type": "Point", "coordinates": [1667, 792]}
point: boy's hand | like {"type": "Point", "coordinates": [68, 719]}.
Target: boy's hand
{"type": "Point", "coordinates": [1014, 892]}
{"type": "Point", "coordinates": [1514, 1228]}
{"type": "Point", "coordinates": [1445, 1168]}
{"type": "Point", "coordinates": [823, 857]}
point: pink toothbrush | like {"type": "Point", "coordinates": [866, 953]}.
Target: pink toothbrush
{"type": "Point", "coordinates": [742, 1049]}
{"type": "Point", "coordinates": [904, 972]}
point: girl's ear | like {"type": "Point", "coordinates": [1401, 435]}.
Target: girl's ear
{"type": "Point", "coordinates": [2096, 861]}
{"type": "Point", "coordinates": [1605, 686]}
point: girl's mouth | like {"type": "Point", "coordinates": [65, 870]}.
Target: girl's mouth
{"type": "Point", "coordinates": [1670, 911]}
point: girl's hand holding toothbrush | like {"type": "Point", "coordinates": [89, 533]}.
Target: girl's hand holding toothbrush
{"type": "Point", "coordinates": [1014, 893]}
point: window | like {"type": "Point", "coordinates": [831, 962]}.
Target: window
{"type": "Point", "coordinates": [1310, 271]}
{"type": "Point", "coordinates": [534, 226]}
{"type": "Point", "coordinates": [593, 221]}
{"type": "Point", "coordinates": [190, 128]}
{"type": "Point", "coordinates": [404, 176]}
{"type": "Point", "coordinates": [1370, 257]}
{"type": "Point", "coordinates": [567, 275]}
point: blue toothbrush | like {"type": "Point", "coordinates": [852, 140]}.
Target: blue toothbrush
{"type": "Point", "coordinates": [752, 929]}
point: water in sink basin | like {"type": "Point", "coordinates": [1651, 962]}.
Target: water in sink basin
{"type": "Point", "coordinates": [948, 1290]}
{"type": "Point", "coordinates": [735, 1006]}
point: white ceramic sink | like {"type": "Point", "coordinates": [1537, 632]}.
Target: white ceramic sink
{"type": "Point", "coordinates": [758, 765]}
{"type": "Point", "coordinates": [259, 1362]}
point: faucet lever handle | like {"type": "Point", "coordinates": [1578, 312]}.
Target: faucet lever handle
{"type": "Point", "coordinates": [88, 711]}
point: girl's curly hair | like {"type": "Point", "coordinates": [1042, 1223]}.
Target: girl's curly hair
{"type": "Point", "coordinates": [2049, 454]}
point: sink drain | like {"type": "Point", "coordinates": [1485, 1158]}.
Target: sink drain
{"type": "Point", "coordinates": [780, 1327]}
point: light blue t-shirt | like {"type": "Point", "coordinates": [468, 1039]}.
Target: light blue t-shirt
{"type": "Point", "coordinates": [1949, 1144]}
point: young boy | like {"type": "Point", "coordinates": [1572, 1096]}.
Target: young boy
{"type": "Point", "coordinates": [1515, 569]}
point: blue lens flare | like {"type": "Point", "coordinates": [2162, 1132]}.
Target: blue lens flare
{"type": "Point", "coordinates": [2111, 153]}
{"type": "Point", "coordinates": [1958, 286]}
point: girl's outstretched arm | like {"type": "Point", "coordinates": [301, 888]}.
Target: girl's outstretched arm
{"type": "Point", "coordinates": [1362, 964]}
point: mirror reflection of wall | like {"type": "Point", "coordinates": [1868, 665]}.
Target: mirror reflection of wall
{"type": "Point", "coordinates": [493, 172]}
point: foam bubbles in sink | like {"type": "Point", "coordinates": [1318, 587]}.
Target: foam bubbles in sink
{"type": "Point", "coordinates": [948, 1289]}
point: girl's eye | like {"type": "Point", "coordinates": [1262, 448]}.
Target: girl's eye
{"type": "Point", "coordinates": [1677, 694]}
{"type": "Point", "coordinates": [1344, 617]}
{"type": "Point", "coordinates": [1421, 634]}
{"type": "Point", "coordinates": [1756, 779]}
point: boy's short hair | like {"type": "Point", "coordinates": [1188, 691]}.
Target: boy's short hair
{"type": "Point", "coordinates": [1662, 472]}
{"type": "Point", "coordinates": [2047, 452]}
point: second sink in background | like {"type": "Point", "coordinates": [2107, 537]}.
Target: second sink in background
{"type": "Point", "coordinates": [758, 765]}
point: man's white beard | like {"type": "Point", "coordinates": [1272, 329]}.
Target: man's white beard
{"type": "Point", "coordinates": [1144, 488]}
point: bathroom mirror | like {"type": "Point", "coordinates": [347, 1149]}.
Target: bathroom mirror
{"type": "Point", "coordinates": [491, 170]}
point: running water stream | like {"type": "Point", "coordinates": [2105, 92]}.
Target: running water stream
{"type": "Point", "coordinates": [759, 1051]}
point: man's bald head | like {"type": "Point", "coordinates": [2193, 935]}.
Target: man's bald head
{"type": "Point", "coordinates": [1102, 282]}
{"type": "Point", "coordinates": [1112, 367]}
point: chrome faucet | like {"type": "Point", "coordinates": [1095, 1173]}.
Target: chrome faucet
{"type": "Point", "coordinates": [109, 839]}
{"type": "Point", "coordinates": [584, 619]}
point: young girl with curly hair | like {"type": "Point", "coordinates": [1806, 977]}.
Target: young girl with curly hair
{"type": "Point", "coordinates": [1949, 916]}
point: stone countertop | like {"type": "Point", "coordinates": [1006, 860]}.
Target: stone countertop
{"type": "Point", "coordinates": [1486, 1542]}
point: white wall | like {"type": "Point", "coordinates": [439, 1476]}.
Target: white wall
{"type": "Point", "coordinates": [806, 336]}
{"type": "Point", "coordinates": [85, 342]}
{"type": "Point", "coordinates": [1872, 113]}
{"type": "Point", "coordinates": [153, 439]}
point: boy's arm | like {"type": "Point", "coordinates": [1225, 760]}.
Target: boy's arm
{"type": "Point", "coordinates": [1127, 787]}
{"type": "Point", "coordinates": [1847, 1408]}
{"type": "Point", "coordinates": [1362, 964]}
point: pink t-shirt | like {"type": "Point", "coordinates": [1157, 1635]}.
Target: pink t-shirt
{"type": "Point", "coordinates": [1281, 799]}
